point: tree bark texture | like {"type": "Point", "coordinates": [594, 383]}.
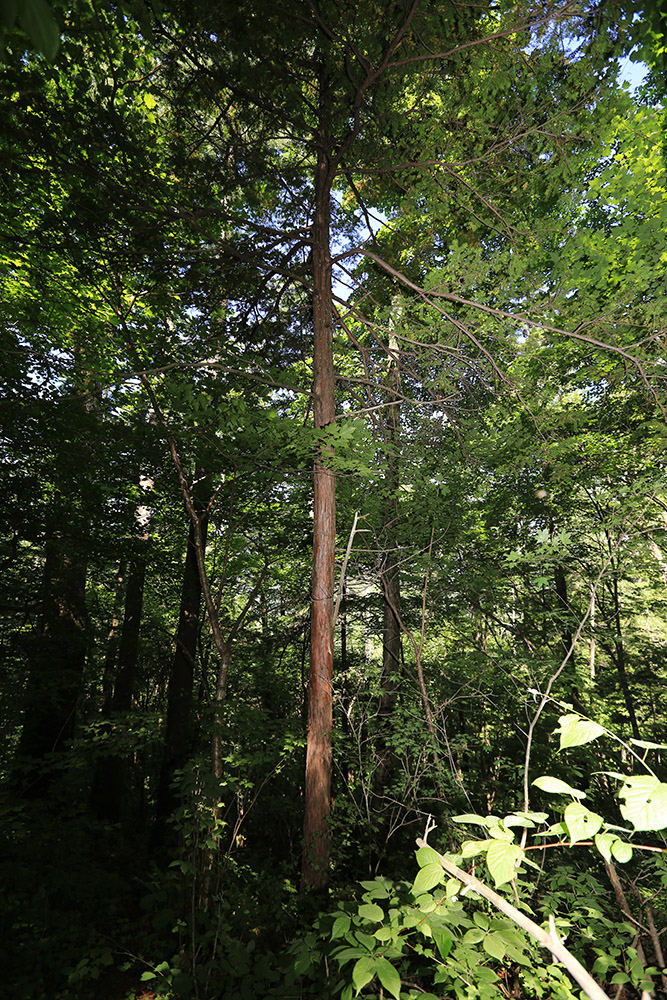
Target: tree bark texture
{"type": "Point", "coordinates": [317, 804]}
{"type": "Point", "coordinates": [620, 660]}
{"type": "Point", "coordinates": [178, 736]}
{"type": "Point", "coordinates": [57, 667]}
{"type": "Point", "coordinates": [112, 777]}
{"type": "Point", "coordinates": [563, 608]}
{"type": "Point", "coordinates": [113, 639]}
{"type": "Point", "coordinates": [111, 785]}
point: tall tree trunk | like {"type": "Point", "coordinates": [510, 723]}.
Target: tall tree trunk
{"type": "Point", "coordinates": [620, 660]}
{"type": "Point", "coordinates": [112, 777]}
{"type": "Point", "coordinates": [390, 576]}
{"type": "Point", "coordinates": [113, 639]}
{"type": "Point", "coordinates": [179, 728]}
{"type": "Point", "coordinates": [56, 672]}
{"type": "Point", "coordinates": [563, 607]}
{"type": "Point", "coordinates": [56, 669]}
{"type": "Point", "coordinates": [317, 804]}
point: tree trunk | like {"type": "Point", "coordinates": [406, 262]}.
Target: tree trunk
{"type": "Point", "coordinates": [563, 610]}
{"type": "Point", "coordinates": [112, 777]}
{"type": "Point", "coordinates": [179, 729]}
{"type": "Point", "coordinates": [391, 584]}
{"type": "Point", "coordinates": [591, 643]}
{"type": "Point", "coordinates": [57, 667]}
{"type": "Point", "coordinates": [317, 804]}
{"type": "Point", "coordinates": [56, 670]}
{"type": "Point", "coordinates": [113, 639]}
{"type": "Point", "coordinates": [220, 693]}
{"type": "Point", "coordinates": [620, 661]}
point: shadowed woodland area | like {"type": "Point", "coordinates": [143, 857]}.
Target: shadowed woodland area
{"type": "Point", "coordinates": [333, 496]}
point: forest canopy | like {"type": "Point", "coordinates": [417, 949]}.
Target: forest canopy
{"type": "Point", "coordinates": [334, 506]}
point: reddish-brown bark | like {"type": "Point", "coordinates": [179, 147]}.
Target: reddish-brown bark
{"type": "Point", "coordinates": [317, 804]}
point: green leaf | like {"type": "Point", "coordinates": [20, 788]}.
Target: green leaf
{"type": "Point", "coordinates": [473, 936]}
{"type": "Point", "coordinates": [499, 832]}
{"type": "Point", "coordinates": [452, 888]}
{"type": "Point", "coordinates": [41, 27]}
{"type": "Point", "coordinates": [503, 859]}
{"type": "Point", "coordinates": [648, 745]}
{"type": "Point", "coordinates": [376, 889]}
{"type": "Point", "coordinates": [604, 843]}
{"type": "Point", "coordinates": [622, 851]}
{"type": "Point", "coordinates": [557, 787]}
{"type": "Point", "coordinates": [389, 977]}
{"type": "Point", "coordinates": [470, 818]}
{"type": "Point", "coordinates": [471, 848]}
{"type": "Point", "coordinates": [341, 926]}
{"type": "Point", "coordinates": [429, 876]}
{"type": "Point", "coordinates": [426, 856]}
{"type": "Point", "coordinates": [371, 911]}
{"type": "Point", "coordinates": [644, 802]}
{"type": "Point", "coordinates": [522, 821]}
{"type": "Point", "coordinates": [602, 963]}
{"type": "Point", "coordinates": [494, 946]}
{"type": "Point", "coordinates": [582, 824]}
{"type": "Point", "coordinates": [363, 972]}
{"type": "Point", "coordinates": [443, 941]}
{"type": "Point", "coordinates": [345, 954]}
{"type": "Point", "coordinates": [533, 817]}
{"type": "Point", "coordinates": [367, 940]}
{"type": "Point", "coordinates": [575, 731]}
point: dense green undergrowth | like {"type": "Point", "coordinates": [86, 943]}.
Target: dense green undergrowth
{"type": "Point", "coordinates": [104, 921]}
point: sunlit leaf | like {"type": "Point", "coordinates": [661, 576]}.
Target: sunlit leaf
{"type": "Point", "coordinates": [427, 878]}
{"type": "Point", "coordinates": [502, 860]}
{"type": "Point", "coordinates": [471, 848]}
{"type": "Point", "coordinates": [388, 976]}
{"type": "Point", "coordinates": [604, 843]}
{"type": "Point", "coordinates": [622, 851]}
{"type": "Point", "coordinates": [470, 818]}
{"type": "Point", "coordinates": [644, 802]}
{"type": "Point", "coordinates": [427, 856]}
{"type": "Point", "coordinates": [582, 824]}
{"type": "Point", "coordinates": [575, 731]}
{"type": "Point", "coordinates": [557, 787]}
